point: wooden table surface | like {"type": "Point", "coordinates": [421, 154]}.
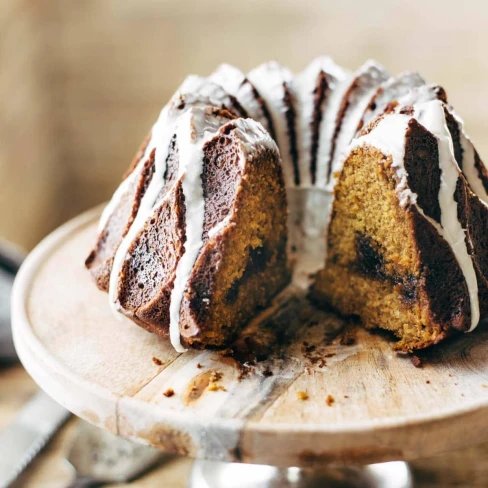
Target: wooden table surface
{"type": "Point", "coordinates": [50, 470]}
{"type": "Point", "coordinates": [468, 468]}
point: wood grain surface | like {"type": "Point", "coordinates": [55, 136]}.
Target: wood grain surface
{"type": "Point", "coordinates": [314, 401]}
{"type": "Point", "coordinates": [463, 468]}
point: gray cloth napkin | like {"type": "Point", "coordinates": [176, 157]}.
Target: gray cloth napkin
{"type": "Point", "coordinates": [10, 259]}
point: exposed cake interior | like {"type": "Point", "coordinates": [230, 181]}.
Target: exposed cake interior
{"type": "Point", "coordinates": [243, 263]}
{"type": "Point", "coordinates": [373, 265]}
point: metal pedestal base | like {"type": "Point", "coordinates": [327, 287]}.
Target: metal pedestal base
{"type": "Point", "coordinates": [212, 474]}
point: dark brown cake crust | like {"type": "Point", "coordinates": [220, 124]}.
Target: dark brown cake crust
{"type": "Point", "coordinates": [99, 262]}
{"type": "Point", "coordinates": [421, 161]}
{"type": "Point", "coordinates": [291, 118]}
{"type": "Point", "coordinates": [321, 93]}
{"type": "Point", "coordinates": [473, 215]}
{"type": "Point", "coordinates": [340, 116]}
{"type": "Point", "coordinates": [455, 132]}
{"type": "Point", "coordinates": [439, 270]}
{"type": "Point", "coordinates": [264, 108]}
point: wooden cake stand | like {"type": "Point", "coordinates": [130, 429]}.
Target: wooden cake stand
{"type": "Point", "coordinates": [323, 396]}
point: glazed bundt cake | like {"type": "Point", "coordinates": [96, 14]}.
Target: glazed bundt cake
{"type": "Point", "coordinates": [194, 240]}
{"type": "Point", "coordinates": [198, 236]}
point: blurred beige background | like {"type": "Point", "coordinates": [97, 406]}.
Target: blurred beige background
{"type": "Point", "coordinates": [82, 81]}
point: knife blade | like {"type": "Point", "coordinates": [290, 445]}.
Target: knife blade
{"type": "Point", "coordinates": [10, 261]}
{"type": "Point", "coordinates": [30, 431]}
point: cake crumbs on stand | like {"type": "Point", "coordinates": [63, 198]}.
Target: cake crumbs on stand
{"type": "Point", "coordinates": [215, 376]}
{"type": "Point", "coordinates": [416, 361]}
{"type": "Point", "coordinates": [302, 395]}
{"type": "Point", "coordinates": [348, 338]}
{"type": "Point", "coordinates": [213, 384]}
{"type": "Point", "coordinates": [329, 401]}
{"type": "Point", "coordinates": [157, 361]}
{"type": "Point", "coordinates": [216, 387]}
{"type": "Point", "coordinates": [169, 393]}
{"type": "Point", "coordinates": [314, 356]}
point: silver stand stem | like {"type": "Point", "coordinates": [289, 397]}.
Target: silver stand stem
{"type": "Point", "coordinates": [213, 474]}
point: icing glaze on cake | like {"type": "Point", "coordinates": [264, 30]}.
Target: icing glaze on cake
{"type": "Point", "coordinates": [275, 84]}
{"type": "Point", "coordinates": [314, 87]}
{"type": "Point", "coordinates": [353, 105]}
{"type": "Point", "coordinates": [235, 82]}
{"type": "Point", "coordinates": [193, 130]}
{"type": "Point", "coordinates": [392, 89]}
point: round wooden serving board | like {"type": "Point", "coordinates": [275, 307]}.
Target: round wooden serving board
{"type": "Point", "coordinates": [365, 403]}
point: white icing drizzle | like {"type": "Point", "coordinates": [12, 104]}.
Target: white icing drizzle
{"type": "Point", "coordinates": [269, 80]}
{"type": "Point", "coordinates": [192, 132]}
{"type": "Point", "coordinates": [327, 127]}
{"type": "Point", "coordinates": [161, 135]}
{"type": "Point", "coordinates": [233, 81]}
{"type": "Point", "coordinates": [367, 79]}
{"type": "Point", "coordinates": [389, 137]}
{"type": "Point", "coordinates": [392, 89]}
{"type": "Point", "coordinates": [252, 136]}
{"type": "Point", "coordinates": [228, 77]}
{"type": "Point", "coordinates": [421, 94]}
{"type": "Point", "coordinates": [198, 90]}
{"type": "Point", "coordinates": [305, 84]}
{"type": "Point", "coordinates": [431, 115]}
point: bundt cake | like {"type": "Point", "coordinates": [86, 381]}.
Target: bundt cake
{"type": "Point", "coordinates": [194, 240]}
{"type": "Point", "coordinates": [378, 169]}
